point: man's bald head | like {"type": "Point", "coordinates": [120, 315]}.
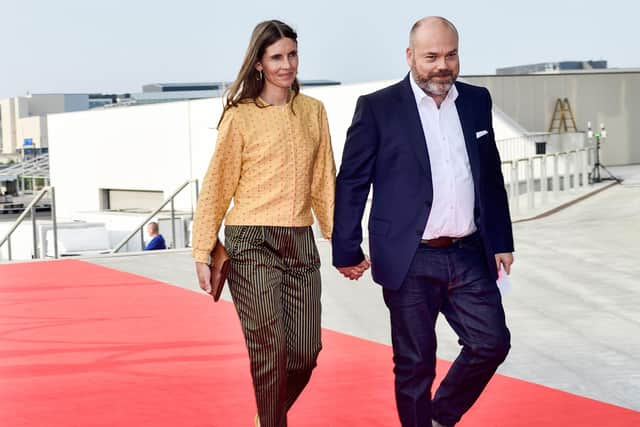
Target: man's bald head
{"type": "Point", "coordinates": [431, 23]}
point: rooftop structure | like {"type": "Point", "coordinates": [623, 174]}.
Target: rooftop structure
{"type": "Point", "coordinates": [553, 67]}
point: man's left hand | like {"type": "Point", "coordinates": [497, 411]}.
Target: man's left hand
{"type": "Point", "coordinates": [505, 259]}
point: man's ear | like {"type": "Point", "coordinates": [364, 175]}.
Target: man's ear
{"type": "Point", "coordinates": [409, 54]}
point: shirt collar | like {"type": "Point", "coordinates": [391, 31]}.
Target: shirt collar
{"type": "Point", "coordinates": [419, 94]}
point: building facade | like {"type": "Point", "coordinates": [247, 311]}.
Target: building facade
{"type": "Point", "coordinates": [23, 120]}
{"type": "Point", "coordinates": [553, 67]}
{"type": "Point", "coordinates": [610, 97]}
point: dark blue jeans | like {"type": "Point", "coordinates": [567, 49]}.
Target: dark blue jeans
{"type": "Point", "coordinates": [455, 281]}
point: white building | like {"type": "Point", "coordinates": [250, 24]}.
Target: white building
{"type": "Point", "coordinates": [23, 120]}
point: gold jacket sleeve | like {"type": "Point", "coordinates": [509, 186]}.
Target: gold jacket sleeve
{"type": "Point", "coordinates": [323, 185]}
{"type": "Point", "coordinates": [218, 188]}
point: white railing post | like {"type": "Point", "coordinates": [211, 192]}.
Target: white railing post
{"type": "Point", "coordinates": [515, 186]}
{"type": "Point", "coordinates": [585, 167]}
{"type": "Point", "coordinates": [543, 178]}
{"type": "Point", "coordinates": [556, 176]}
{"type": "Point", "coordinates": [574, 171]}
{"type": "Point", "coordinates": [529, 177]}
{"type": "Point", "coordinates": [567, 172]}
{"type": "Point", "coordinates": [505, 167]}
{"type": "Point", "coordinates": [579, 169]}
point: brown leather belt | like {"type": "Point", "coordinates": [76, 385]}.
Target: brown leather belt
{"type": "Point", "coordinates": [440, 242]}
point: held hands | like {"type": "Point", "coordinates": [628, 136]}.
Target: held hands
{"type": "Point", "coordinates": [355, 272]}
{"type": "Point", "coordinates": [204, 276]}
{"type": "Point", "coordinates": [505, 259]}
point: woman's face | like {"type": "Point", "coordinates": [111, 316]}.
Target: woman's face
{"type": "Point", "coordinates": [279, 64]}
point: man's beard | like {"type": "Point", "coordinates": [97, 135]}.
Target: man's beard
{"type": "Point", "coordinates": [432, 87]}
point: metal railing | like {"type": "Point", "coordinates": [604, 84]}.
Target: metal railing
{"type": "Point", "coordinates": [553, 173]}
{"type": "Point", "coordinates": [31, 208]}
{"type": "Point", "coordinates": [169, 200]}
{"type": "Point", "coordinates": [520, 146]}
{"type": "Point", "coordinates": [37, 166]}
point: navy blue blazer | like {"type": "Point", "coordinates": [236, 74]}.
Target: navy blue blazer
{"type": "Point", "coordinates": [386, 149]}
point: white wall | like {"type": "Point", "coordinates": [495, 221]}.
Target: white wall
{"type": "Point", "coordinates": [20, 108]}
{"type": "Point", "coordinates": [128, 148]}
{"type": "Point", "coordinates": [560, 142]}
{"type": "Point", "coordinates": [504, 126]}
{"type": "Point", "coordinates": [21, 241]}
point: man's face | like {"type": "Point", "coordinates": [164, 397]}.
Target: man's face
{"type": "Point", "coordinates": [433, 58]}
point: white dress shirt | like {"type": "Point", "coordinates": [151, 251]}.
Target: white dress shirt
{"type": "Point", "coordinates": [453, 194]}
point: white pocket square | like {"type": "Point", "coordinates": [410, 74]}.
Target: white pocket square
{"type": "Point", "coordinates": [481, 133]}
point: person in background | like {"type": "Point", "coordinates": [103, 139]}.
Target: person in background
{"type": "Point", "coordinates": [156, 240]}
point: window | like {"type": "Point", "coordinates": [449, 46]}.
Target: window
{"type": "Point", "coordinates": [130, 200]}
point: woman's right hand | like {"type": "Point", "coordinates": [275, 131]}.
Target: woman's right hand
{"type": "Point", "coordinates": [204, 276]}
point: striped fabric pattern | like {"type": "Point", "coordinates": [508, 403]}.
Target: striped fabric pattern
{"type": "Point", "coordinates": [275, 286]}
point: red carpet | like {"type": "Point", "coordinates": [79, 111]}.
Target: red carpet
{"type": "Point", "coordinates": [82, 345]}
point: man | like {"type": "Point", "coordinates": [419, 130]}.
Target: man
{"type": "Point", "coordinates": [157, 241]}
{"type": "Point", "coordinates": [439, 228]}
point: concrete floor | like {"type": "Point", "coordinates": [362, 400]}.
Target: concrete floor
{"type": "Point", "coordinates": [573, 310]}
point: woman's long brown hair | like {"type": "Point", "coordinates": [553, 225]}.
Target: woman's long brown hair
{"type": "Point", "coordinates": [249, 83]}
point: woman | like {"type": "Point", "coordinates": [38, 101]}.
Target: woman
{"type": "Point", "coordinates": [273, 157]}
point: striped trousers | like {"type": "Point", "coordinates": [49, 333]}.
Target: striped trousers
{"type": "Point", "coordinates": [275, 286]}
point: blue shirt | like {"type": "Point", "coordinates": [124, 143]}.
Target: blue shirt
{"type": "Point", "coordinates": [156, 243]}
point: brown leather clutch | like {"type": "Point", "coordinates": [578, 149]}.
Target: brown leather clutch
{"type": "Point", "coordinates": [220, 265]}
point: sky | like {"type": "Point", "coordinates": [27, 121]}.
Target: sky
{"type": "Point", "coordinates": [116, 46]}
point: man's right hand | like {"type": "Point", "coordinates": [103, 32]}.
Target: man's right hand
{"type": "Point", "coordinates": [355, 272]}
{"type": "Point", "coordinates": [204, 276]}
